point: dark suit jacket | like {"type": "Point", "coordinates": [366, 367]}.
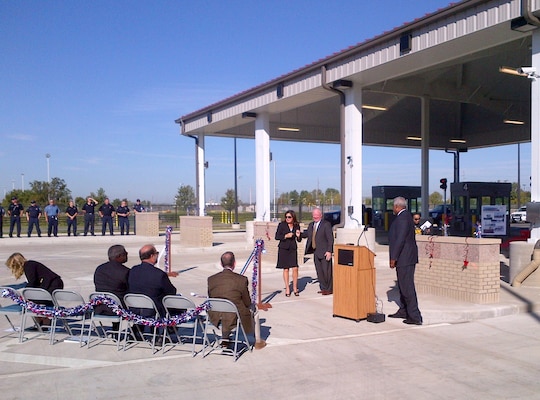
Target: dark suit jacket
{"type": "Point", "coordinates": [151, 281]}
{"type": "Point", "coordinates": [39, 276]}
{"type": "Point", "coordinates": [111, 277]}
{"type": "Point", "coordinates": [402, 241]}
{"type": "Point", "coordinates": [289, 243]}
{"type": "Point", "coordinates": [234, 287]}
{"type": "Point", "coordinates": [324, 238]}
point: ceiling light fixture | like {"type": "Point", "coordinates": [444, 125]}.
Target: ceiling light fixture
{"type": "Point", "coordinates": [285, 129]}
{"type": "Point", "coordinates": [513, 122]}
{"type": "Point", "coordinates": [418, 138]}
{"type": "Point", "coordinates": [458, 141]}
{"type": "Point", "coordinates": [511, 71]}
{"type": "Point", "coordinates": [378, 108]}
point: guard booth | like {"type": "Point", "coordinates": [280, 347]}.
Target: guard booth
{"type": "Point", "coordinates": [383, 203]}
{"type": "Point", "coordinates": [468, 200]}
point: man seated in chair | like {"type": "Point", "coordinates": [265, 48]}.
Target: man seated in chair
{"type": "Point", "coordinates": [146, 279]}
{"type": "Point", "coordinates": [233, 287]}
{"type": "Point", "coordinates": [112, 277]}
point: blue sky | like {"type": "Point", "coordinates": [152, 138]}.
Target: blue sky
{"type": "Point", "coordinates": [98, 85]}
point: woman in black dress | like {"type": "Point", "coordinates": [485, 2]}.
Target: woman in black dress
{"type": "Point", "coordinates": [288, 233]}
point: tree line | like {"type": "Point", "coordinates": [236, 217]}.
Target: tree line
{"type": "Point", "coordinates": [42, 192]}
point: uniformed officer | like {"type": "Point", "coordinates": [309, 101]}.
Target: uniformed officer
{"type": "Point", "coordinates": [72, 213]}
{"type": "Point", "coordinates": [137, 208]}
{"type": "Point", "coordinates": [15, 210]}
{"type": "Point", "coordinates": [33, 214]}
{"type": "Point", "coordinates": [51, 216]}
{"type": "Point", "coordinates": [106, 212]}
{"type": "Point", "coordinates": [88, 209]}
{"type": "Point", "coordinates": [123, 217]}
{"type": "Point", "coordinates": [2, 213]}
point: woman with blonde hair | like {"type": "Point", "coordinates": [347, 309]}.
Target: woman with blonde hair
{"type": "Point", "coordinates": [37, 274]}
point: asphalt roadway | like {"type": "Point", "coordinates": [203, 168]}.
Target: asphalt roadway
{"type": "Point", "coordinates": [462, 351]}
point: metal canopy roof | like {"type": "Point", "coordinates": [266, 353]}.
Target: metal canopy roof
{"type": "Point", "coordinates": [455, 58]}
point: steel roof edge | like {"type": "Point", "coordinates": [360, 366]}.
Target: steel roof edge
{"type": "Point", "coordinates": [335, 57]}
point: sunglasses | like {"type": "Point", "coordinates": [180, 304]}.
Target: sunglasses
{"type": "Point", "coordinates": [288, 216]}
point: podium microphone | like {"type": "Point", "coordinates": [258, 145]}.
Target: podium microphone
{"type": "Point", "coordinates": [359, 237]}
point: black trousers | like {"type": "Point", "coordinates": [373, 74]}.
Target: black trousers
{"type": "Point", "coordinates": [407, 292]}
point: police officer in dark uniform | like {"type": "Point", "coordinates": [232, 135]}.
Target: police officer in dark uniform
{"type": "Point", "coordinates": [88, 209]}
{"type": "Point", "coordinates": [72, 213]}
{"type": "Point", "coordinates": [138, 208]}
{"type": "Point", "coordinates": [123, 217]}
{"type": "Point", "coordinates": [106, 212]}
{"type": "Point", "coordinates": [15, 210]}
{"type": "Point", "coordinates": [33, 214]}
{"type": "Point", "coordinates": [51, 215]}
{"type": "Point", "coordinates": [2, 213]}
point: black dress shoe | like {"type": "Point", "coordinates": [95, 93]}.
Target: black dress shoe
{"type": "Point", "coordinates": [412, 322]}
{"type": "Point", "coordinates": [397, 315]}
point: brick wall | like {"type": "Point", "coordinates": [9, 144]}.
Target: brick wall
{"type": "Point", "coordinates": [196, 231]}
{"type": "Point", "coordinates": [147, 224]}
{"type": "Point", "coordinates": [466, 269]}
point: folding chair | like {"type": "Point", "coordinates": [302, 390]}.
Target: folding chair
{"type": "Point", "coordinates": [65, 299]}
{"type": "Point", "coordinates": [172, 304]}
{"type": "Point", "coordinates": [101, 331]}
{"type": "Point", "coordinates": [10, 310]}
{"type": "Point", "coordinates": [241, 344]}
{"type": "Point", "coordinates": [144, 306]}
{"type": "Point", "coordinates": [38, 296]}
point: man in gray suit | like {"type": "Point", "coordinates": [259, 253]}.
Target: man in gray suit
{"type": "Point", "coordinates": [320, 243]}
{"type": "Point", "coordinates": [403, 257]}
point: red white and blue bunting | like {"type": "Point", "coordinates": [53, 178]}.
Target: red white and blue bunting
{"type": "Point", "coordinates": [60, 312]}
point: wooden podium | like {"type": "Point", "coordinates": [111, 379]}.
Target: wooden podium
{"type": "Point", "coordinates": [354, 282]}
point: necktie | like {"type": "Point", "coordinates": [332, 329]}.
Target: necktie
{"type": "Point", "coordinates": [313, 243]}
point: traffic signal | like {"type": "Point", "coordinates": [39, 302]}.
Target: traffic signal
{"type": "Point", "coordinates": [443, 183]}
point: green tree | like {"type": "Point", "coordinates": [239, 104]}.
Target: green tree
{"type": "Point", "coordinates": [332, 196]}
{"type": "Point", "coordinates": [99, 196]}
{"type": "Point", "coordinates": [228, 201]}
{"type": "Point", "coordinates": [185, 198]}
{"type": "Point", "coordinates": [57, 189]}
{"type": "Point", "coordinates": [435, 199]}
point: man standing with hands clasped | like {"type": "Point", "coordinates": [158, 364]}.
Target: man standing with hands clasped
{"type": "Point", "coordinates": [320, 243]}
{"type": "Point", "coordinates": [403, 257]}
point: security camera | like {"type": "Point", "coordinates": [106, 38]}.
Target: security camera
{"type": "Point", "coordinates": [527, 70]}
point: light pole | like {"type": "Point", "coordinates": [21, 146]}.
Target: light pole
{"type": "Point", "coordinates": [48, 156]}
{"type": "Point", "coordinates": [176, 212]}
{"type": "Point", "coordinates": [22, 182]}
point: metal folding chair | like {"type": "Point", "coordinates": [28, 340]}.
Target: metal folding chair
{"type": "Point", "coordinates": [144, 306]}
{"type": "Point", "coordinates": [10, 310]}
{"type": "Point", "coordinates": [66, 299]}
{"type": "Point", "coordinates": [101, 324]}
{"type": "Point", "coordinates": [241, 341]}
{"type": "Point", "coordinates": [189, 329]}
{"type": "Point", "coordinates": [38, 296]}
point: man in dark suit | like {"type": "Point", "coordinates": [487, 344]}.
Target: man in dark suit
{"type": "Point", "coordinates": [403, 257]}
{"type": "Point", "coordinates": [146, 279]}
{"type": "Point", "coordinates": [234, 287]}
{"type": "Point", "coordinates": [320, 243]}
{"type": "Point", "coordinates": [112, 276]}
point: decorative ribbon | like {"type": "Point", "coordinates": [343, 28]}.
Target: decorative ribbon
{"type": "Point", "coordinates": [60, 312]}
{"type": "Point", "coordinates": [430, 249]}
{"type": "Point", "coordinates": [255, 256]}
{"type": "Point", "coordinates": [168, 232]}
{"type": "Point", "coordinates": [466, 255]}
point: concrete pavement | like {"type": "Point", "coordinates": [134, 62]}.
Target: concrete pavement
{"type": "Point", "coordinates": [309, 353]}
